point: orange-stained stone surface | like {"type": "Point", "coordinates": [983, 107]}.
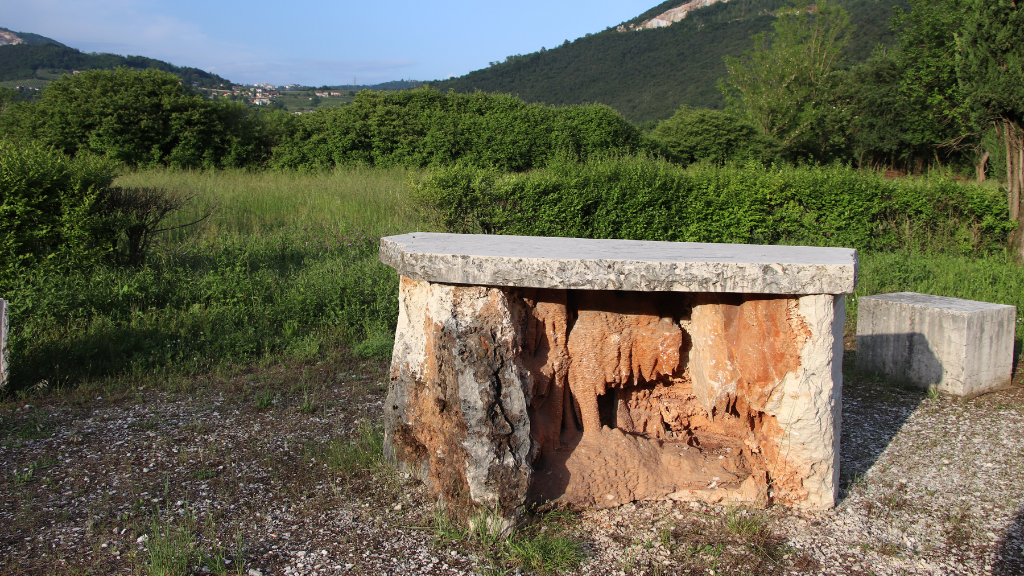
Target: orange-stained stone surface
{"type": "Point", "coordinates": [626, 396]}
{"type": "Point", "coordinates": [637, 428]}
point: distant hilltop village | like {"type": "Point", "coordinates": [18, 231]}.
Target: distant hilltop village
{"type": "Point", "coordinates": [669, 17]}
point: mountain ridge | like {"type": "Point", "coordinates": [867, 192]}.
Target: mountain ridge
{"type": "Point", "coordinates": [44, 62]}
{"type": "Point", "coordinates": [647, 73]}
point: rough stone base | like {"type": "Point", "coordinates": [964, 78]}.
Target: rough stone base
{"type": "Point", "coordinates": [503, 396]}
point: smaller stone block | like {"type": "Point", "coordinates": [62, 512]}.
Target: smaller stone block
{"type": "Point", "coordinates": [961, 347]}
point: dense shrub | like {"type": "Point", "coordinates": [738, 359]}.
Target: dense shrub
{"type": "Point", "coordinates": [140, 118]}
{"type": "Point", "coordinates": [697, 134]}
{"type": "Point", "coordinates": [648, 199]}
{"type": "Point", "coordinates": [47, 202]}
{"type": "Point", "coordinates": [427, 128]}
{"type": "Point", "coordinates": [61, 212]}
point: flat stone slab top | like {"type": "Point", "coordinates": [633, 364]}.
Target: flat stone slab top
{"type": "Point", "coordinates": [634, 265]}
{"type": "Point", "coordinates": [962, 347]}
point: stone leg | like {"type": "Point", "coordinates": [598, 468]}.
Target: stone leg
{"type": "Point", "coordinates": [778, 362]}
{"type": "Point", "coordinates": [809, 408]}
{"type": "Point", "coordinates": [456, 414]}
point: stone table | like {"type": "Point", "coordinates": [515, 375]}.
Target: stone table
{"type": "Point", "coordinates": [599, 372]}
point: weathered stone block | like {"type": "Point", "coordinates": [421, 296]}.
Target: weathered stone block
{"type": "Point", "coordinates": [961, 347]}
{"type": "Point", "coordinates": [508, 394]}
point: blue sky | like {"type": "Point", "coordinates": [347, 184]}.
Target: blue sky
{"type": "Point", "coordinates": [316, 42]}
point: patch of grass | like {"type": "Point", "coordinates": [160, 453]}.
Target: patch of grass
{"type": "Point", "coordinates": [218, 559]}
{"type": "Point", "coordinates": [308, 404]}
{"type": "Point", "coordinates": [665, 537]}
{"type": "Point", "coordinates": [744, 522]}
{"type": "Point", "coordinates": [739, 540]}
{"type": "Point", "coordinates": [171, 549]}
{"type": "Point", "coordinates": [144, 425]}
{"type": "Point", "coordinates": [28, 474]}
{"type": "Point", "coordinates": [446, 526]}
{"type": "Point", "coordinates": [892, 501]}
{"type": "Point", "coordinates": [362, 452]}
{"type": "Point", "coordinates": [545, 552]}
{"type": "Point", "coordinates": [488, 528]}
{"type": "Point", "coordinates": [204, 474]}
{"type": "Point", "coordinates": [34, 426]}
{"type": "Point", "coordinates": [247, 202]}
{"type": "Point", "coordinates": [284, 268]}
{"type": "Point", "coordinates": [957, 528]}
{"type": "Point", "coordinates": [264, 400]}
{"type": "Point", "coordinates": [542, 547]}
{"type": "Point", "coordinates": [712, 551]}
{"type": "Point", "coordinates": [23, 476]}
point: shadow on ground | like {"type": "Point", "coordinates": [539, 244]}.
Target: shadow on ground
{"type": "Point", "coordinates": [874, 411]}
{"type": "Point", "coordinates": [1010, 549]}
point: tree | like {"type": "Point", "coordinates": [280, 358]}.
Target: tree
{"type": "Point", "coordinates": [990, 69]}
{"type": "Point", "coordinates": [878, 112]}
{"type": "Point", "coordinates": [698, 134]}
{"type": "Point", "coordinates": [926, 58]}
{"type": "Point", "coordinates": [140, 118]}
{"type": "Point", "coordinates": [784, 84]}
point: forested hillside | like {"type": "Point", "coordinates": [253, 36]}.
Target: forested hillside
{"type": "Point", "coordinates": [646, 75]}
{"type": "Point", "coordinates": [48, 61]}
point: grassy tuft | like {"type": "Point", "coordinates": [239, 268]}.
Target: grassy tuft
{"type": "Point", "coordinates": [546, 552]}
{"type": "Point", "coordinates": [172, 549]}
{"type": "Point", "coordinates": [363, 452]}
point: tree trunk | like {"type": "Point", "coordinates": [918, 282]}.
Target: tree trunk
{"type": "Point", "coordinates": [1013, 135]}
{"type": "Point", "coordinates": [979, 168]}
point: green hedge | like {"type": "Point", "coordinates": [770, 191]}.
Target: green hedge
{"type": "Point", "coordinates": [47, 206]}
{"type": "Point", "coordinates": [645, 199]}
{"type": "Point", "coordinates": [428, 128]}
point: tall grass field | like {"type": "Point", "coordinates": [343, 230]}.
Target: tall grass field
{"type": "Point", "coordinates": [275, 266]}
{"type": "Point", "coordinates": [281, 265]}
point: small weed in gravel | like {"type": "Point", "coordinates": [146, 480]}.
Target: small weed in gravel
{"type": "Point", "coordinates": [958, 528]}
{"type": "Point", "coordinates": [32, 426]}
{"type": "Point", "coordinates": [204, 474]}
{"type": "Point", "coordinates": [364, 452]}
{"type": "Point", "coordinates": [446, 526]}
{"type": "Point", "coordinates": [172, 548]}
{"type": "Point", "coordinates": [264, 400]}
{"type": "Point", "coordinates": [308, 404]}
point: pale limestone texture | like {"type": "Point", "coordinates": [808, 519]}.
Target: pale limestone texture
{"type": "Point", "coordinates": [506, 395]}
{"type": "Point", "coordinates": [584, 264]}
{"type": "Point", "coordinates": [455, 415]}
{"type": "Point", "coordinates": [961, 347]}
{"type": "Point", "coordinates": [670, 16]}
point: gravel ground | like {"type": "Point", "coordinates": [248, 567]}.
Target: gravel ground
{"type": "Point", "coordinates": [251, 469]}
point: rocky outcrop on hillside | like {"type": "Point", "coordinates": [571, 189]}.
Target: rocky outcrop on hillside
{"type": "Point", "coordinates": [669, 17]}
{"type": "Point", "coordinates": [7, 37]}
